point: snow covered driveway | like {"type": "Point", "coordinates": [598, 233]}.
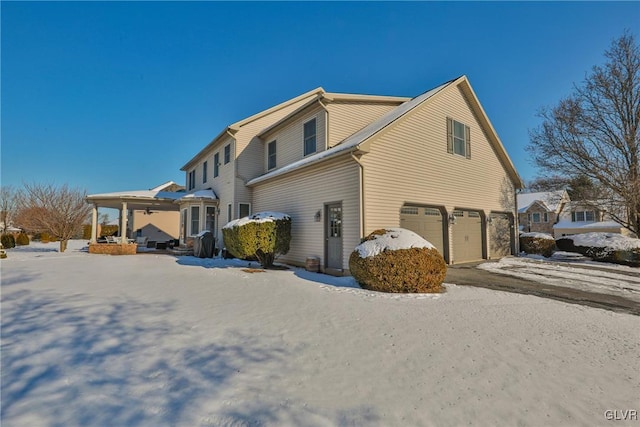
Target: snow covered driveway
{"type": "Point", "coordinates": [595, 277]}
{"type": "Point", "coordinates": [152, 340]}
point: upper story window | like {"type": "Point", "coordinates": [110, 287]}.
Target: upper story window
{"type": "Point", "coordinates": [271, 155]}
{"type": "Point", "coordinates": [227, 153]}
{"type": "Point", "coordinates": [458, 138]}
{"type": "Point", "coordinates": [244, 209]}
{"type": "Point", "coordinates": [536, 217]}
{"type": "Point", "coordinates": [310, 137]}
{"type": "Point", "coordinates": [191, 180]}
{"type": "Point", "coordinates": [579, 216]}
{"type": "Point", "coordinates": [216, 165]}
{"type": "Point", "coordinates": [204, 172]}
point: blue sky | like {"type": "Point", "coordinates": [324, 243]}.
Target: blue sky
{"type": "Point", "coordinates": [118, 96]}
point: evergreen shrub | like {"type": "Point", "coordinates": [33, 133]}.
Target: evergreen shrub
{"type": "Point", "coordinates": [22, 239]}
{"type": "Point", "coordinates": [255, 237]}
{"type": "Point", "coordinates": [405, 270]}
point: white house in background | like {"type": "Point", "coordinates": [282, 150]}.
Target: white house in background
{"type": "Point", "coordinates": [578, 218]}
{"type": "Point", "coordinates": [539, 212]}
{"type": "Point", "coordinates": [343, 165]}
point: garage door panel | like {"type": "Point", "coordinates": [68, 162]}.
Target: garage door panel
{"type": "Point", "coordinates": [426, 222]}
{"type": "Point", "coordinates": [467, 236]}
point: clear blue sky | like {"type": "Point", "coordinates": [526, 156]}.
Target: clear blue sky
{"type": "Point", "coordinates": [118, 96]}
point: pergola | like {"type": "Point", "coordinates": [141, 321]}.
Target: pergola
{"type": "Point", "coordinates": [131, 200]}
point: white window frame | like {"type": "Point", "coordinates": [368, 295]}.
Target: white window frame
{"type": "Point", "coordinates": [240, 209]}
{"type": "Point", "coordinates": [229, 212]}
{"type": "Point", "coordinates": [216, 164]}
{"type": "Point", "coordinates": [204, 171]}
{"type": "Point", "coordinates": [308, 138]}
{"type": "Point", "coordinates": [191, 180]}
{"type": "Point", "coordinates": [539, 217]}
{"type": "Point", "coordinates": [271, 155]}
{"type": "Point", "coordinates": [227, 154]}
{"type": "Point", "coordinates": [210, 218]}
{"type": "Point", "coordinates": [194, 221]}
{"type": "Point", "coordinates": [458, 138]}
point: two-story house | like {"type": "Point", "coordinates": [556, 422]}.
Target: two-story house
{"type": "Point", "coordinates": [540, 211]}
{"type": "Point", "coordinates": [344, 165]}
{"type": "Point", "coordinates": [579, 217]}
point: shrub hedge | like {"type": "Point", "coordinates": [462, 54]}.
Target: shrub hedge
{"type": "Point", "coordinates": [411, 270]}
{"type": "Point", "coordinates": [261, 240]}
{"type": "Point", "coordinates": [630, 257]}
{"type": "Point", "coordinates": [8, 241]}
{"type": "Point", "coordinates": [537, 245]}
{"type": "Point", "coordinates": [22, 239]}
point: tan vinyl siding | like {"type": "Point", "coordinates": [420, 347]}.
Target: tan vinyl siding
{"type": "Point", "coordinates": [251, 150]}
{"type": "Point", "coordinates": [162, 222]}
{"type": "Point", "coordinates": [303, 194]}
{"type": "Point", "coordinates": [409, 163]}
{"type": "Point", "coordinates": [346, 118]}
{"type": "Point", "coordinates": [290, 146]}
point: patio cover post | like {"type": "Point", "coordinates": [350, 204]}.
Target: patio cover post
{"type": "Point", "coordinates": [94, 224]}
{"type": "Point", "coordinates": [123, 223]}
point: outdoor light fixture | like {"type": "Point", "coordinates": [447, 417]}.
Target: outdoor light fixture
{"type": "Point", "coordinates": [317, 216]}
{"type": "Point", "coordinates": [452, 218]}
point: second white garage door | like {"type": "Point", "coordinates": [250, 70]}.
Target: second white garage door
{"type": "Point", "coordinates": [467, 236]}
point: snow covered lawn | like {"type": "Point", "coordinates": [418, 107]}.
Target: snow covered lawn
{"type": "Point", "coordinates": [154, 340]}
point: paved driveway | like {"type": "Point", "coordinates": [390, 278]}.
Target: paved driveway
{"type": "Point", "coordinates": [469, 275]}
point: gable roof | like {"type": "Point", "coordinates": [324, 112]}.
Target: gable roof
{"type": "Point", "coordinates": [235, 127]}
{"type": "Point", "coordinates": [550, 200]}
{"type": "Point", "coordinates": [353, 142]}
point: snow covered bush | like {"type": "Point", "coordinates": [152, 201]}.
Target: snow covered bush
{"type": "Point", "coordinates": [605, 247]}
{"type": "Point", "coordinates": [397, 260]}
{"type": "Point", "coordinates": [263, 235]}
{"type": "Point", "coordinates": [22, 239]}
{"type": "Point", "coordinates": [8, 241]}
{"type": "Point", "coordinates": [537, 243]}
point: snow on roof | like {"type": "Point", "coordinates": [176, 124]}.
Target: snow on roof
{"type": "Point", "coordinates": [200, 194]}
{"type": "Point", "coordinates": [165, 185]}
{"type": "Point", "coordinates": [605, 240]}
{"type": "Point", "coordinates": [357, 138]}
{"type": "Point", "coordinates": [566, 223]}
{"type": "Point", "coordinates": [537, 235]}
{"type": "Point", "coordinates": [549, 199]}
{"type": "Point", "coordinates": [257, 217]}
{"type": "Point", "coordinates": [393, 240]}
{"type": "Point", "coordinates": [138, 194]}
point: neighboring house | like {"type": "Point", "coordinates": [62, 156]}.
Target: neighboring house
{"type": "Point", "coordinates": [585, 218]}
{"type": "Point", "coordinates": [538, 212]}
{"type": "Point", "coordinates": [344, 165]}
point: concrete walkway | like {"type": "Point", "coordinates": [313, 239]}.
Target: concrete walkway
{"type": "Point", "coordinates": [469, 275]}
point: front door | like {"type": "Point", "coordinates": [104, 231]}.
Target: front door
{"type": "Point", "coordinates": [333, 236]}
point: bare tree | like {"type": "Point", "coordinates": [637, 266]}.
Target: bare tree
{"type": "Point", "coordinates": [59, 211]}
{"type": "Point", "coordinates": [8, 205]}
{"type": "Point", "coordinates": [594, 132]}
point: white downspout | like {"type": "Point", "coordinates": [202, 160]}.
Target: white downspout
{"type": "Point", "coordinates": [361, 201]}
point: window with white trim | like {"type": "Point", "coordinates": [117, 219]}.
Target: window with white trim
{"type": "Point", "coordinates": [244, 209]}
{"type": "Point", "coordinates": [310, 137]}
{"type": "Point", "coordinates": [195, 220]}
{"type": "Point", "coordinates": [227, 153]}
{"type": "Point", "coordinates": [271, 155]}
{"type": "Point", "coordinates": [210, 218]}
{"type": "Point", "coordinates": [204, 172]}
{"type": "Point", "coordinates": [581, 216]}
{"type": "Point", "coordinates": [191, 180]}
{"type": "Point", "coordinates": [229, 212]}
{"type": "Point", "coordinates": [536, 217]}
{"type": "Point", "coordinates": [458, 138]}
{"type": "Point", "coordinates": [216, 165]}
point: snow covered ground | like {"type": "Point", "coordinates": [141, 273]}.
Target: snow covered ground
{"type": "Point", "coordinates": [153, 340]}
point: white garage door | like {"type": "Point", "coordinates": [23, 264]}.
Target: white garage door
{"type": "Point", "coordinates": [426, 222]}
{"type": "Point", "coordinates": [500, 234]}
{"type": "Point", "coordinates": [467, 236]}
